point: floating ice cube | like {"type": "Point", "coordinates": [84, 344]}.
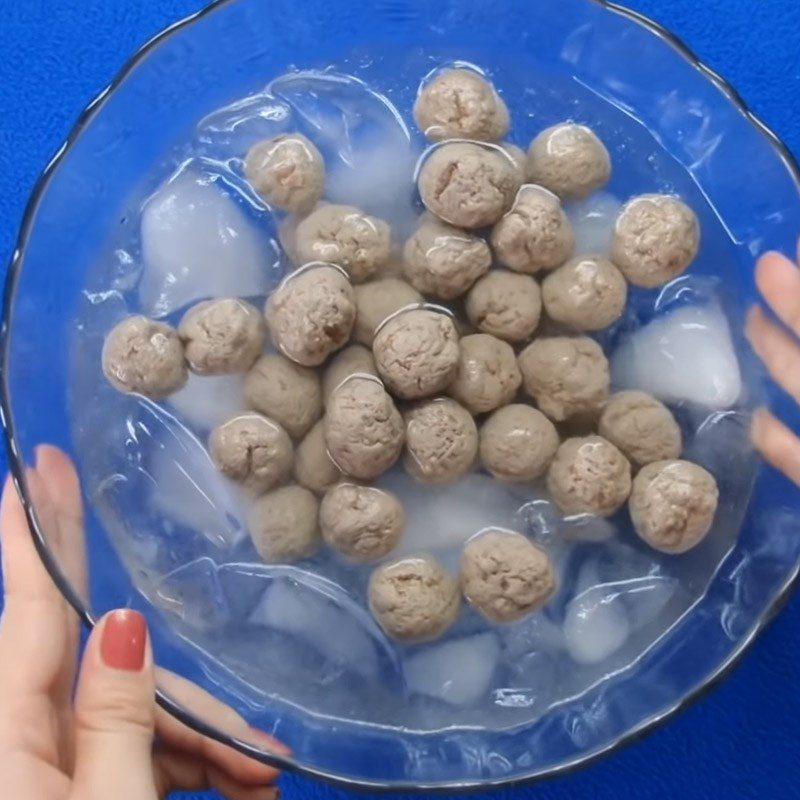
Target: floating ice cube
{"type": "Point", "coordinates": [646, 597]}
{"type": "Point", "coordinates": [367, 147]}
{"type": "Point", "coordinates": [188, 489]}
{"type": "Point", "coordinates": [685, 355]}
{"type": "Point", "coordinates": [332, 624]}
{"type": "Point", "coordinates": [458, 672]}
{"type": "Point", "coordinates": [193, 594]}
{"type": "Point", "coordinates": [593, 221]}
{"type": "Point", "coordinates": [532, 680]}
{"type": "Point", "coordinates": [721, 443]}
{"type": "Point", "coordinates": [206, 402]}
{"type": "Point", "coordinates": [440, 518]}
{"type": "Point", "coordinates": [198, 243]}
{"type": "Point", "coordinates": [530, 635]}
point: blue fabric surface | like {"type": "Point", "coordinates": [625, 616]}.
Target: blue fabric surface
{"type": "Point", "coordinates": [740, 741]}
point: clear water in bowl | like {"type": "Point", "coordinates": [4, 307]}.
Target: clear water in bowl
{"type": "Point", "coordinates": [299, 636]}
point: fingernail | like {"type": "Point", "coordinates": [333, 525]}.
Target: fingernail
{"type": "Point", "coordinates": [265, 741]}
{"type": "Point", "coordinates": [123, 640]}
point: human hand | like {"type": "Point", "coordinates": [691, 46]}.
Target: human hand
{"type": "Point", "coordinates": [778, 280]}
{"type": "Point", "coordinates": [102, 745]}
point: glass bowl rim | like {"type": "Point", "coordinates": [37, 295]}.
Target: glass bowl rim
{"type": "Point", "coordinates": [16, 462]}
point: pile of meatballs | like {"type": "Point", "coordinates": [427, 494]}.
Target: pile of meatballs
{"type": "Point", "coordinates": [466, 346]}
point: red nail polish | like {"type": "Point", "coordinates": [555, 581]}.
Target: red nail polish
{"type": "Point", "coordinates": [123, 640]}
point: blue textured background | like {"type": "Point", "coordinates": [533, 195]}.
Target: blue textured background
{"type": "Point", "coordinates": [742, 740]}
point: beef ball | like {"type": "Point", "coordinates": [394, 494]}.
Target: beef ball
{"type": "Point", "coordinates": [283, 524]}
{"type": "Point", "coordinates": [460, 104]}
{"type": "Point", "coordinates": [361, 522]}
{"type": "Point", "coordinates": [311, 314]}
{"type": "Point", "coordinates": [505, 576]}
{"type": "Point", "coordinates": [313, 466]}
{"type": "Point", "coordinates": [673, 504]}
{"type": "Point", "coordinates": [142, 356]}
{"type": "Point", "coordinates": [468, 185]}
{"type": "Point", "coordinates": [414, 599]}
{"type": "Point", "coordinates": [364, 431]}
{"type": "Point", "coordinates": [488, 376]}
{"type": "Point", "coordinates": [222, 336]}
{"type": "Point", "coordinates": [442, 261]}
{"type": "Point", "coordinates": [535, 234]}
{"type": "Point", "coordinates": [377, 300]}
{"type": "Point", "coordinates": [252, 450]}
{"type": "Point", "coordinates": [656, 237]}
{"type": "Point", "coordinates": [587, 294]}
{"type": "Point", "coordinates": [345, 236]}
{"type": "Point", "coordinates": [289, 394]}
{"type": "Point", "coordinates": [517, 443]}
{"type": "Point", "coordinates": [353, 360]}
{"type": "Point", "coordinates": [416, 353]}
{"type": "Point", "coordinates": [506, 305]}
{"type": "Point", "coordinates": [569, 160]}
{"type": "Point", "coordinates": [589, 475]}
{"type": "Point", "coordinates": [568, 376]}
{"type": "Point", "coordinates": [642, 427]}
{"type": "Point", "coordinates": [287, 171]}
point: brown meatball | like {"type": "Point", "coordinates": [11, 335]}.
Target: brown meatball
{"type": "Point", "coordinates": [442, 261]}
{"type": "Point", "coordinates": [252, 450]}
{"type": "Point", "coordinates": [642, 427]}
{"type": "Point", "coordinates": [656, 237]}
{"type": "Point", "coordinates": [377, 300]}
{"type": "Point", "coordinates": [535, 234]}
{"type": "Point", "coordinates": [505, 576]}
{"type": "Point", "coordinates": [488, 376]}
{"type": "Point", "coordinates": [283, 524]}
{"type": "Point", "coordinates": [441, 441]}
{"type": "Point", "coordinates": [416, 353]}
{"type": "Point", "coordinates": [673, 504]}
{"type": "Point", "coordinates": [313, 467]}
{"type": "Point", "coordinates": [517, 443]}
{"type": "Point", "coordinates": [310, 315]}
{"type": "Point", "coordinates": [142, 356]}
{"type": "Point", "coordinates": [285, 392]}
{"type": "Point", "coordinates": [460, 104]}
{"type": "Point", "coordinates": [568, 376]}
{"type": "Point", "coordinates": [468, 185]}
{"type": "Point", "coordinates": [589, 476]}
{"type": "Point", "coordinates": [569, 160]}
{"type": "Point", "coordinates": [222, 336]}
{"type": "Point", "coordinates": [363, 430]}
{"type": "Point", "coordinates": [520, 159]}
{"type": "Point", "coordinates": [287, 171]}
{"type": "Point", "coordinates": [505, 305]}
{"type": "Point", "coordinates": [361, 522]}
{"type": "Point", "coordinates": [414, 600]}
{"type": "Point", "coordinates": [588, 293]}
{"type": "Point", "coordinates": [353, 360]}
{"type": "Point", "coordinates": [345, 236]}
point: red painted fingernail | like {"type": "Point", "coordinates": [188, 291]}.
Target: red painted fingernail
{"type": "Point", "coordinates": [123, 640]}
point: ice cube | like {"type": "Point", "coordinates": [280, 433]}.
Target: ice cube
{"type": "Point", "coordinates": [593, 221]}
{"type": "Point", "coordinates": [367, 147]}
{"type": "Point", "coordinates": [646, 597]}
{"type": "Point", "coordinates": [207, 401]}
{"type": "Point", "coordinates": [198, 243]}
{"type": "Point", "coordinates": [442, 518]}
{"type": "Point", "coordinates": [531, 682]}
{"type": "Point", "coordinates": [530, 635]}
{"type": "Point", "coordinates": [331, 623]}
{"type": "Point", "coordinates": [721, 443]}
{"type": "Point", "coordinates": [458, 672]}
{"type": "Point", "coordinates": [587, 528]}
{"type": "Point", "coordinates": [188, 489]}
{"type": "Point", "coordinates": [194, 595]}
{"type": "Point", "coordinates": [685, 355]}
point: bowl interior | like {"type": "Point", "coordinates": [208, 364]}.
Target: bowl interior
{"type": "Point", "coordinates": [670, 126]}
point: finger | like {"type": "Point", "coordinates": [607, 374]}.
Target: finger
{"type": "Point", "coordinates": [777, 349]}
{"type": "Point", "coordinates": [778, 280]}
{"type": "Point", "coordinates": [179, 737]}
{"type": "Point", "coordinates": [32, 631]}
{"type": "Point", "coordinates": [779, 446]}
{"type": "Point", "coordinates": [115, 712]}
{"type": "Point", "coordinates": [185, 773]}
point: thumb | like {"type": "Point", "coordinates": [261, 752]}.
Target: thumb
{"type": "Point", "coordinates": [115, 712]}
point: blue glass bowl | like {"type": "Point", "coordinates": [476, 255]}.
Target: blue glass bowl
{"type": "Point", "coordinates": [230, 49]}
